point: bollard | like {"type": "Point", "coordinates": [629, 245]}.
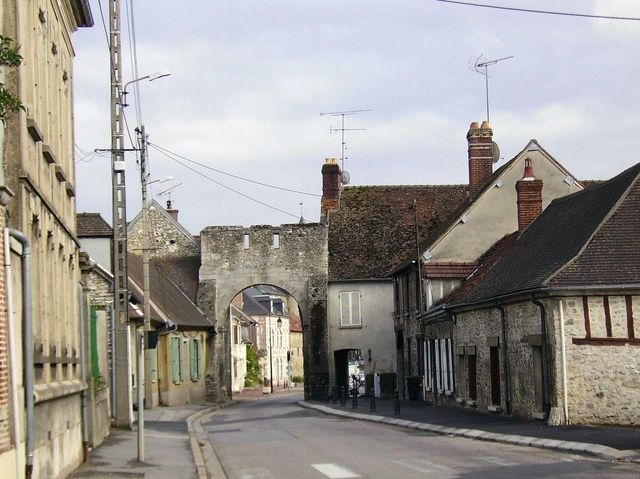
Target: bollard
{"type": "Point", "coordinates": [333, 394]}
{"type": "Point", "coordinates": [318, 392]}
{"type": "Point", "coordinates": [343, 396]}
{"type": "Point", "coordinates": [396, 402]}
{"type": "Point", "coordinates": [372, 404]}
{"type": "Point", "coordinates": [326, 393]}
{"type": "Point", "coordinates": [354, 398]}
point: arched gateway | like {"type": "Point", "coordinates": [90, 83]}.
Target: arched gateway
{"type": "Point", "coordinates": [292, 257]}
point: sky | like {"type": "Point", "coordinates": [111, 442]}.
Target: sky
{"type": "Point", "coordinates": [250, 79]}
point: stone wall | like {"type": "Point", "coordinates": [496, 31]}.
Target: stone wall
{"type": "Point", "coordinates": [601, 353]}
{"type": "Point", "coordinates": [292, 257]}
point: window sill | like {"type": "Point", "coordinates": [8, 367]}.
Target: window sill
{"type": "Point", "coordinates": [354, 326]}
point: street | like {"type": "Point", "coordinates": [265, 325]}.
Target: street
{"type": "Point", "coordinates": [275, 438]}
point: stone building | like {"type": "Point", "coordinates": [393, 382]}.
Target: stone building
{"type": "Point", "coordinates": [450, 253]}
{"type": "Point", "coordinates": [372, 230]}
{"type": "Point", "coordinates": [550, 331]}
{"type": "Point", "coordinates": [39, 170]}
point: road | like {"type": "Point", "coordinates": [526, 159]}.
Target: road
{"type": "Point", "coordinates": [275, 438]}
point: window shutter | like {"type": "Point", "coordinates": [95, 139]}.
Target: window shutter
{"type": "Point", "coordinates": [355, 308]}
{"type": "Point", "coordinates": [192, 359]}
{"type": "Point", "coordinates": [175, 359]}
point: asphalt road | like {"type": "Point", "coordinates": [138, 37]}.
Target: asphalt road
{"type": "Point", "coordinates": [275, 438]}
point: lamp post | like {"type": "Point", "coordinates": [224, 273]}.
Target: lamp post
{"type": "Point", "coordinates": [144, 360]}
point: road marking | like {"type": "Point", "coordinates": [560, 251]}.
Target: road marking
{"type": "Point", "coordinates": [496, 460]}
{"type": "Point", "coordinates": [420, 465]}
{"type": "Point", "coordinates": [334, 471]}
{"type": "Point", "coordinates": [258, 473]}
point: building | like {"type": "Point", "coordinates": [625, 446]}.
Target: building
{"type": "Point", "coordinates": [47, 440]}
{"type": "Point", "coordinates": [550, 331]}
{"type": "Point", "coordinates": [451, 252]}
{"type": "Point", "coordinates": [372, 230]}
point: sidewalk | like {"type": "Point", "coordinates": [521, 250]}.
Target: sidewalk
{"type": "Point", "coordinates": [168, 448]}
{"type": "Point", "coordinates": [612, 443]}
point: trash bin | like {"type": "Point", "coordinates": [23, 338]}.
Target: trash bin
{"type": "Point", "coordinates": [414, 384]}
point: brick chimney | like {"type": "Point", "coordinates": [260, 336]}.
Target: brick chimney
{"type": "Point", "coordinates": [173, 213]}
{"type": "Point", "coordinates": [529, 191]}
{"type": "Point", "coordinates": [480, 155]}
{"type": "Point", "coordinates": [331, 184]}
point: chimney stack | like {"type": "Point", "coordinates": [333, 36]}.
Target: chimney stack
{"type": "Point", "coordinates": [331, 185]}
{"type": "Point", "coordinates": [529, 191]}
{"type": "Point", "coordinates": [173, 213]}
{"type": "Point", "coordinates": [480, 141]}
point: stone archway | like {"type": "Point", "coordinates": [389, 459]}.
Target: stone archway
{"type": "Point", "coordinates": [292, 257]}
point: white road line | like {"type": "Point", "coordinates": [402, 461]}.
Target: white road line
{"type": "Point", "coordinates": [257, 473]}
{"type": "Point", "coordinates": [334, 471]}
{"type": "Point", "coordinates": [421, 465]}
{"type": "Point", "coordinates": [496, 460]}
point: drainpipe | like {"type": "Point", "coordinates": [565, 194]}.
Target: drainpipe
{"type": "Point", "coordinates": [112, 385]}
{"type": "Point", "coordinates": [83, 376]}
{"type": "Point", "coordinates": [565, 401]}
{"type": "Point", "coordinates": [13, 351]}
{"type": "Point", "coordinates": [507, 378]}
{"type": "Point", "coordinates": [545, 355]}
{"type": "Point", "coordinates": [28, 346]}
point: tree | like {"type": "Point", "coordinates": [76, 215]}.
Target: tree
{"type": "Point", "coordinates": [9, 57]}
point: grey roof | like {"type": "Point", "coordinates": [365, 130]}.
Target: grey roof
{"type": "Point", "coordinates": [587, 238]}
{"type": "Point", "coordinates": [170, 300]}
{"type": "Point", "coordinates": [92, 225]}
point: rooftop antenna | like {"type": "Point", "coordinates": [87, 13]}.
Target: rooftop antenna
{"type": "Point", "coordinates": [302, 220]}
{"type": "Point", "coordinates": [478, 66]}
{"type": "Point", "coordinates": [342, 129]}
{"type": "Point", "coordinates": [168, 192]}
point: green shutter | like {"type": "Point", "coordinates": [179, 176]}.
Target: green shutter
{"type": "Point", "coordinates": [95, 365]}
{"type": "Point", "coordinates": [192, 359]}
{"type": "Point", "coordinates": [154, 364]}
{"type": "Point", "coordinates": [175, 359]}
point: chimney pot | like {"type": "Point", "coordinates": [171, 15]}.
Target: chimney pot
{"type": "Point", "coordinates": [480, 151]}
{"type": "Point", "coordinates": [529, 191]}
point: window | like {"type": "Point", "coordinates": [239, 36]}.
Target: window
{"type": "Point", "coordinates": [176, 360]}
{"type": "Point", "coordinates": [195, 354]}
{"type": "Point", "coordinates": [350, 309]}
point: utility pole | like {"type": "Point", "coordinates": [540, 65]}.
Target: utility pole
{"type": "Point", "coordinates": [120, 320]}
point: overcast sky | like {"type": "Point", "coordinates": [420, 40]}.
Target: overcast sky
{"type": "Point", "coordinates": [250, 79]}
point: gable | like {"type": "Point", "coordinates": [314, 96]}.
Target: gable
{"type": "Point", "coordinates": [571, 241]}
{"type": "Point", "coordinates": [167, 237]}
{"type": "Point", "coordinates": [493, 212]}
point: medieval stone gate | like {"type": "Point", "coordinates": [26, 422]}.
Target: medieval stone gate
{"type": "Point", "coordinates": [291, 257]}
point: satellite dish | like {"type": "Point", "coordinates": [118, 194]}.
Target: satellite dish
{"type": "Point", "coordinates": [495, 151]}
{"type": "Point", "coordinates": [346, 178]}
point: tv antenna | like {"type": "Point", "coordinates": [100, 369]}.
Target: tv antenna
{"type": "Point", "coordinates": [168, 192]}
{"type": "Point", "coordinates": [342, 129]}
{"type": "Point", "coordinates": [478, 67]}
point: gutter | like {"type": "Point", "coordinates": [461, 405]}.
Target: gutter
{"type": "Point", "coordinates": [28, 347]}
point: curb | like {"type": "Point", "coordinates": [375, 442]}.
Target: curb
{"type": "Point", "coordinates": [201, 447]}
{"type": "Point", "coordinates": [598, 450]}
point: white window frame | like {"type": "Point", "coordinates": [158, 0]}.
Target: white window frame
{"type": "Point", "coordinates": [350, 316]}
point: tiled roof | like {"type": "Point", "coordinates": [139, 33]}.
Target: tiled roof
{"type": "Point", "coordinates": [183, 271]}
{"type": "Point", "coordinates": [92, 225]}
{"type": "Point", "coordinates": [375, 228]}
{"type": "Point", "coordinates": [169, 300]}
{"type": "Point", "coordinates": [449, 270]}
{"type": "Point", "coordinates": [587, 238]}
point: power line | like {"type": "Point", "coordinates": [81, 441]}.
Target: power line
{"type": "Point", "coordinates": [544, 12]}
{"type": "Point", "coordinates": [225, 186]}
{"type": "Point", "coordinates": [166, 152]}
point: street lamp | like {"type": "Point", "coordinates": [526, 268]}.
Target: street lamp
{"type": "Point", "coordinates": [279, 323]}
{"type": "Point", "coordinates": [120, 258]}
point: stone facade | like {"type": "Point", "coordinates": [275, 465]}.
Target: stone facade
{"type": "Point", "coordinates": [291, 257]}
{"type": "Point", "coordinates": [602, 359]}
{"type": "Point", "coordinates": [167, 237]}
{"type": "Point", "coordinates": [39, 169]}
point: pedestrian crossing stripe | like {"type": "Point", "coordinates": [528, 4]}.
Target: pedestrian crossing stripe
{"type": "Point", "coordinates": [334, 471]}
